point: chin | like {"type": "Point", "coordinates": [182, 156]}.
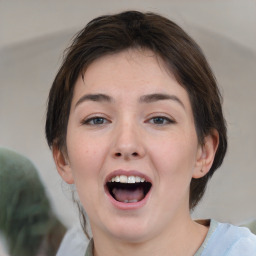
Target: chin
{"type": "Point", "coordinates": [129, 231]}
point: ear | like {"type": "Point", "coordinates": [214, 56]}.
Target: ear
{"type": "Point", "coordinates": [62, 165]}
{"type": "Point", "coordinates": [206, 154]}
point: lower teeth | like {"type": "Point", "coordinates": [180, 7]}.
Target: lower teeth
{"type": "Point", "coordinates": [130, 201]}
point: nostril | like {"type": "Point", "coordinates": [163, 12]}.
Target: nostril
{"type": "Point", "coordinates": [118, 154]}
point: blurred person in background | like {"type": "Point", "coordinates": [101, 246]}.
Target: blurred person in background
{"type": "Point", "coordinates": [28, 226]}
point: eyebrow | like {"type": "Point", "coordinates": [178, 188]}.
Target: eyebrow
{"type": "Point", "coordinates": [94, 97]}
{"type": "Point", "coordinates": [150, 98]}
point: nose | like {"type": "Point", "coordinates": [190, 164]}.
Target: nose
{"type": "Point", "coordinates": [128, 143]}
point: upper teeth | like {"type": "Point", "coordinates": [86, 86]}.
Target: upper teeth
{"type": "Point", "coordinates": [127, 179]}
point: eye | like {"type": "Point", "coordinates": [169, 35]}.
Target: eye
{"type": "Point", "coordinates": [161, 120]}
{"type": "Point", "coordinates": [96, 120]}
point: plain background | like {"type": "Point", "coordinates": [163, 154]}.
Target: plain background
{"type": "Point", "coordinates": [33, 35]}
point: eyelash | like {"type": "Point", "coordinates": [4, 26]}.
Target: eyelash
{"type": "Point", "coordinates": [98, 120]}
{"type": "Point", "coordinates": [91, 121]}
{"type": "Point", "coordinates": [165, 120]}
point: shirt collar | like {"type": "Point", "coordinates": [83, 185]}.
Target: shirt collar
{"type": "Point", "coordinates": [89, 250]}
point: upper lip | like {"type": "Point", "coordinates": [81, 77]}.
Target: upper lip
{"type": "Point", "coordinates": [127, 173]}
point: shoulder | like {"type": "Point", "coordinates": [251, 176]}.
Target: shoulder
{"type": "Point", "coordinates": [230, 240]}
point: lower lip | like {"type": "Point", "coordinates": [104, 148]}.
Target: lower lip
{"type": "Point", "coordinates": [128, 206]}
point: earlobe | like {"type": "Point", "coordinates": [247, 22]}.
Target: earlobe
{"type": "Point", "coordinates": [206, 154]}
{"type": "Point", "coordinates": [62, 165]}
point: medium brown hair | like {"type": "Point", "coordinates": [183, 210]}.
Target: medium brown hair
{"type": "Point", "coordinates": [182, 56]}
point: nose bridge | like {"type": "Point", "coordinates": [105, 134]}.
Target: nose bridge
{"type": "Point", "coordinates": [127, 139]}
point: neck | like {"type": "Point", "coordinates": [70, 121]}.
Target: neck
{"type": "Point", "coordinates": [180, 238]}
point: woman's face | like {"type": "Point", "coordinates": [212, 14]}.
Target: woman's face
{"type": "Point", "coordinates": [132, 147]}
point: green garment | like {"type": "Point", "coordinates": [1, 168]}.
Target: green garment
{"type": "Point", "coordinates": [26, 219]}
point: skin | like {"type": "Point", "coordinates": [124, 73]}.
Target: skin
{"type": "Point", "coordinates": [127, 134]}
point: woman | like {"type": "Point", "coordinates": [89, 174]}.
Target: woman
{"type": "Point", "coordinates": [135, 122]}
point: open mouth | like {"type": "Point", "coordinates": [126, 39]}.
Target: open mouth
{"type": "Point", "coordinates": [128, 189]}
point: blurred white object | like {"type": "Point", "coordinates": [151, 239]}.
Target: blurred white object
{"type": "Point", "coordinates": [3, 249]}
{"type": "Point", "coordinates": [74, 243]}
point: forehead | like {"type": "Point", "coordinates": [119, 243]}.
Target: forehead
{"type": "Point", "coordinates": [129, 63]}
{"type": "Point", "coordinates": [130, 73]}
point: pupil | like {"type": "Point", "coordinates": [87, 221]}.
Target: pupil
{"type": "Point", "coordinates": [158, 120]}
{"type": "Point", "coordinates": [98, 120]}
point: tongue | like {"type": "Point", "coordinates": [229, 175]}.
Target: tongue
{"type": "Point", "coordinates": [125, 195]}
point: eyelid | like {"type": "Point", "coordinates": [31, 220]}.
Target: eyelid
{"type": "Point", "coordinates": [87, 119]}
{"type": "Point", "coordinates": [168, 118]}
{"type": "Point", "coordinates": [162, 115]}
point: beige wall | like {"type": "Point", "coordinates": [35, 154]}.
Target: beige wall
{"type": "Point", "coordinates": [33, 35]}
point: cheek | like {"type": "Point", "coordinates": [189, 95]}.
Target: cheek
{"type": "Point", "coordinates": [173, 161]}
{"type": "Point", "coordinates": [84, 156]}
{"type": "Point", "coordinates": [174, 156]}
{"type": "Point", "coordinates": [86, 162]}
